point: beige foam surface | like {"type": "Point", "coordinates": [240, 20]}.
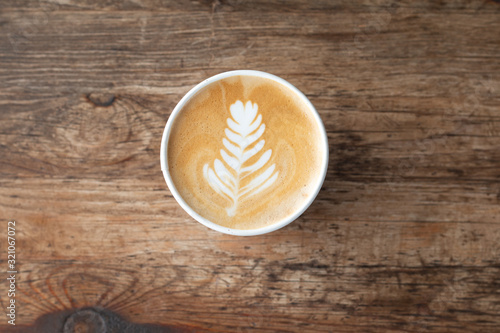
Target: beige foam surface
{"type": "Point", "coordinates": [290, 132]}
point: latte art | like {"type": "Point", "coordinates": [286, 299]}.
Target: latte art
{"type": "Point", "coordinates": [243, 132]}
{"type": "Point", "coordinates": [245, 152]}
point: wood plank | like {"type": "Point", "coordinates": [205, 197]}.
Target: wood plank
{"type": "Point", "coordinates": [404, 236]}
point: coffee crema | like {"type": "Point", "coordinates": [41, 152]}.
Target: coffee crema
{"type": "Point", "coordinates": [245, 152]}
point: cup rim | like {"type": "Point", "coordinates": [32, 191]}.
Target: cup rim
{"type": "Point", "coordinates": [214, 226]}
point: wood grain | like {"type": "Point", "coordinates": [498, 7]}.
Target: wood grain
{"type": "Point", "coordinates": [403, 237]}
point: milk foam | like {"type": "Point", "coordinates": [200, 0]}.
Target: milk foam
{"type": "Point", "coordinates": [245, 152]}
{"type": "Point", "coordinates": [243, 132]}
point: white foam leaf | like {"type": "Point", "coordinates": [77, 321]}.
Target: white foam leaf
{"type": "Point", "coordinates": [233, 136]}
{"type": "Point", "coordinates": [268, 183]}
{"type": "Point", "coordinates": [237, 111]}
{"type": "Point", "coordinates": [247, 141]}
{"type": "Point", "coordinates": [244, 129]}
{"type": "Point", "coordinates": [255, 124]}
{"type": "Point", "coordinates": [252, 151]}
{"type": "Point", "coordinates": [224, 174]}
{"type": "Point", "coordinates": [259, 180]}
{"type": "Point", "coordinates": [215, 182]}
{"type": "Point", "coordinates": [231, 161]}
{"type": "Point", "coordinates": [236, 151]}
{"type": "Point", "coordinates": [260, 163]}
{"type": "Point", "coordinates": [234, 126]}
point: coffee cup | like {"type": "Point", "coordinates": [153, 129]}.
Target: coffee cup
{"type": "Point", "coordinates": [244, 153]}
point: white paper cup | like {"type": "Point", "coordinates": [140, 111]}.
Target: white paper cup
{"type": "Point", "coordinates": [240, 232]}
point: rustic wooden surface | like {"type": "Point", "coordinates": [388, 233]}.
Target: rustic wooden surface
{"type": "Point", "coordinates": [403, 237]}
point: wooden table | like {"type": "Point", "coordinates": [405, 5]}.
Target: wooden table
{"type": "Point", "coordinates": [403, 237]}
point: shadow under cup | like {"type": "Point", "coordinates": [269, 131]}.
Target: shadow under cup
{"type": "Point", "coordinates": [244, 153]}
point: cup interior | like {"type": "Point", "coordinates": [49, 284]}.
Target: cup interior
{"type": "Point", "coordinates": [214, 226]}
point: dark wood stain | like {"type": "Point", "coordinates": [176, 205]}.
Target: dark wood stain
{"type": "Point", "coordinates": [103, 100]}
{"type": "Point", "coordinates": [93, 320]}
{"type": "Point", "coordinates": [305, 266]}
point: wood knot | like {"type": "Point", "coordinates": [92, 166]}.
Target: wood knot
{"type": "Point", "coordinates": [100, 99]}
{"type": "Point", "coordinates": [85, 321]}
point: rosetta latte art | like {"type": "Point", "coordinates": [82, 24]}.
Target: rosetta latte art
{"type": "Point", "coordinates": [245, 128]}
